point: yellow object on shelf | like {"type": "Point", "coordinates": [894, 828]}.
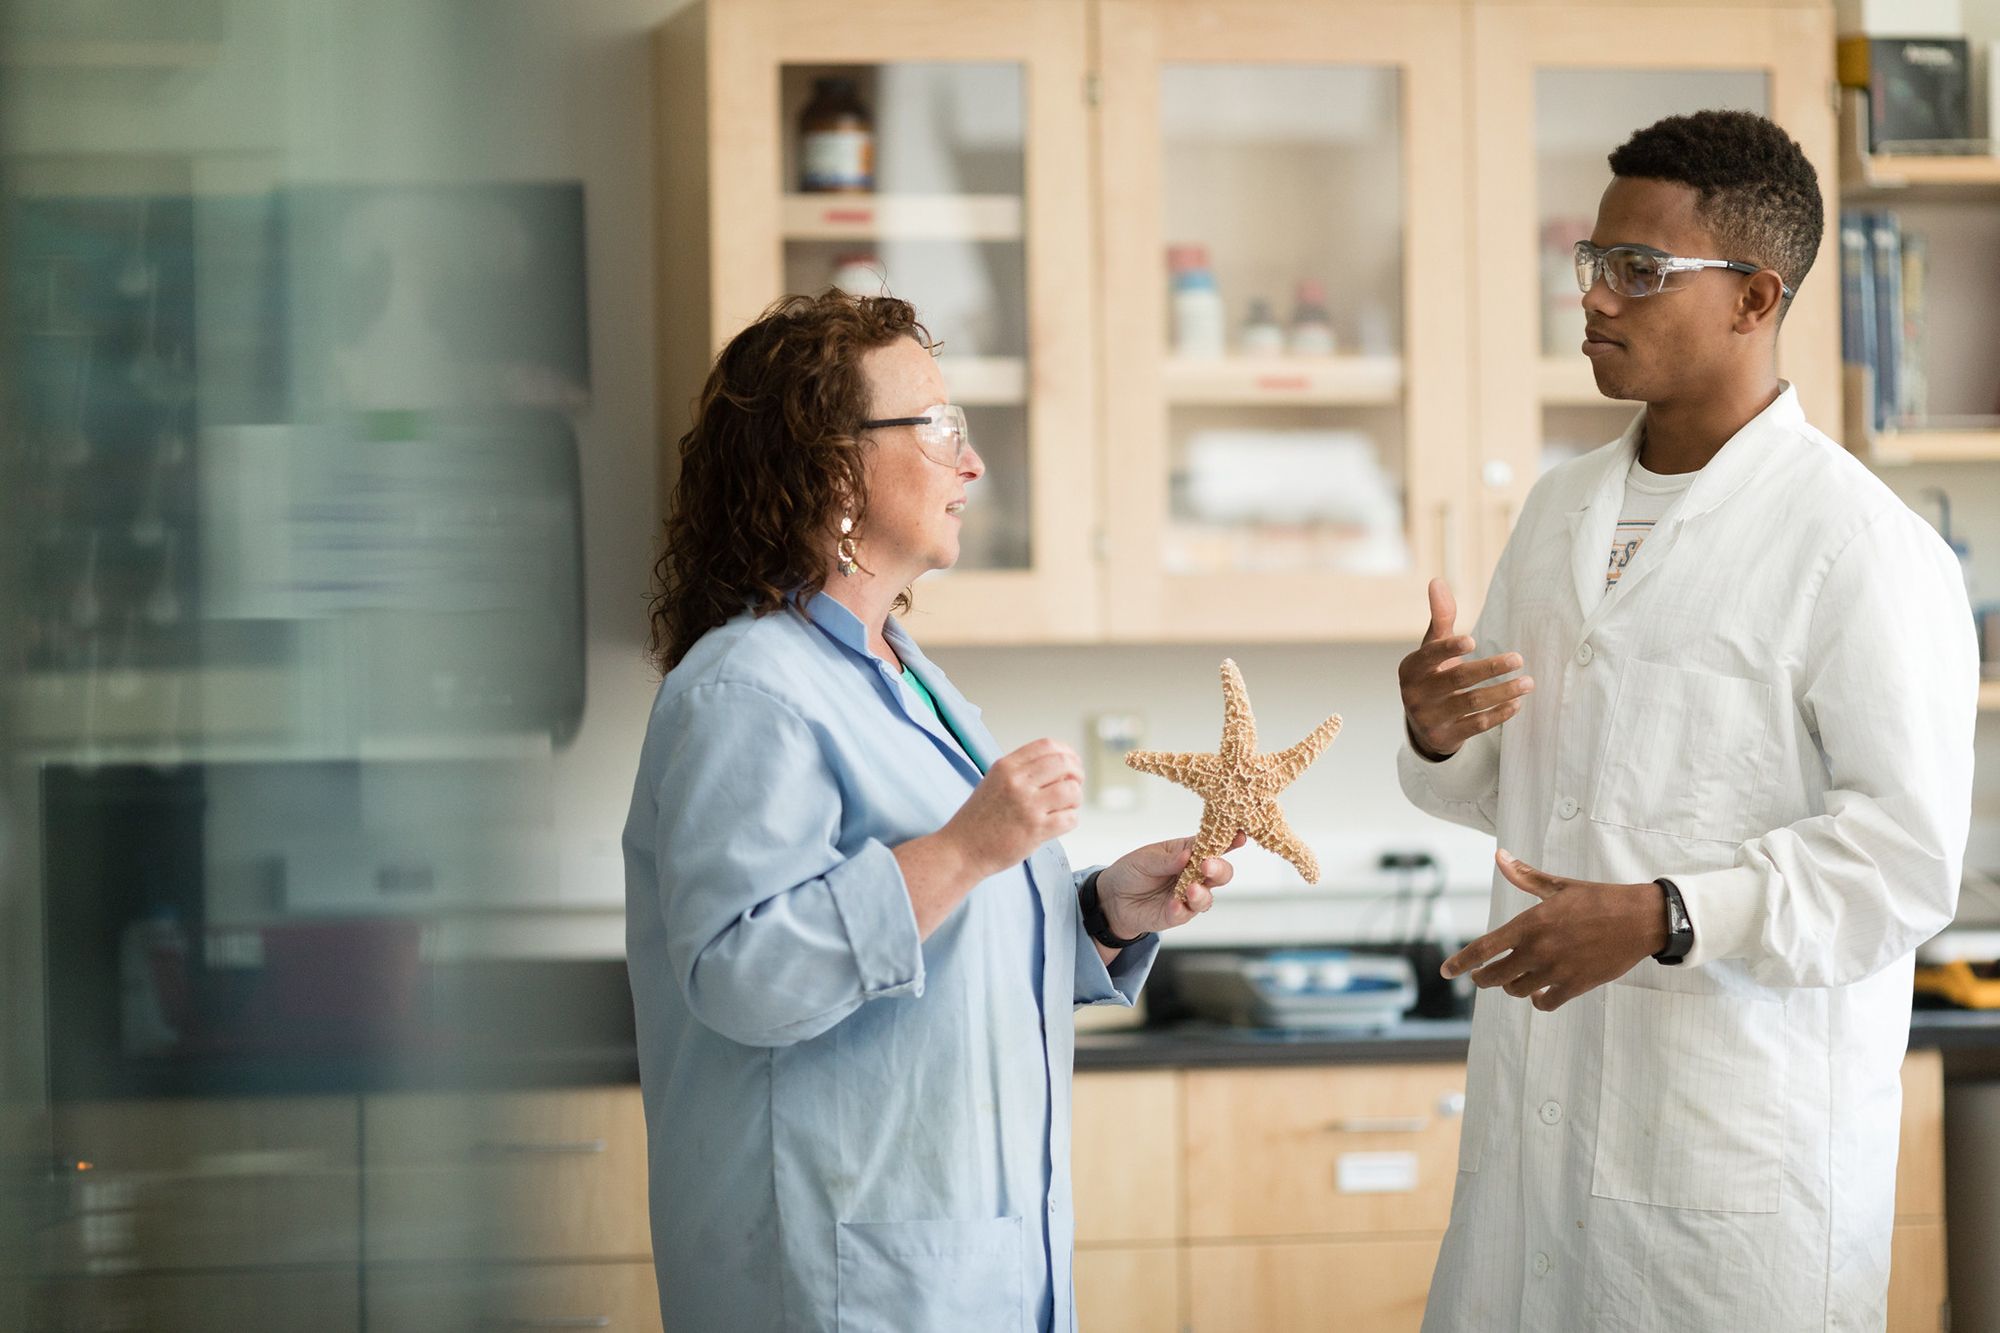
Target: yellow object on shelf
{"type": "Point", "coordinates": [1960, 982]}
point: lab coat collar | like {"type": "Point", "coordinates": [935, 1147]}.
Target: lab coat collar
{"type": "Point", "coordinates": [1593, 524]}
{"type": "Point", "coordinates": [845, 628]}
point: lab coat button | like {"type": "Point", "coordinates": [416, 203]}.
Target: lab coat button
{"type": "Point", "coordinates": [1552, 1112]}
{"type": "Point", "coordinates": [1568, 808]}
{"type": "Point", "coordinates": [1541, 1265]}
{"type": "Point", "coordinates": [1584, 654]}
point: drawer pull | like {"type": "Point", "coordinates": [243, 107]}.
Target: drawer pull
{"type": "Point", "coordinates": [550, 1321]}
{"type": "Point", "coordinates": [569, 1148]}
{"type": "Point", "coordinates": [1381, 1124]}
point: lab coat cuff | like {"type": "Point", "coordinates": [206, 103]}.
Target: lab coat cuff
{"type": "Point", "coordinates": [1466, 778]}
{"type": "Point", "coordinates": [1120, 981]}
{"type": "Point", "coordinates": [1725, 907]}
{"type": "Point", "coordinates": [873, 902]}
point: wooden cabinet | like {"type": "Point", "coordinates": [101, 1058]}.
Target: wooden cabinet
{"type": "Point", "coordinates": [1357, 1286]}
{"type": "Point", "coordinates": [1304, 1197]}
{"type": "Point", "coordinates": [620, 1297]}
{"type": "Point", "coordinates": [1317, 1197]}
{"type": "Point", "coordinates": [1126, 1289]}
{"type": "Point", "coordinates": [1120, 1121]}
{"type": "Point", "coordinates": [308, 1300]}
{"type": "Point", "coordinates": [982, 215]}
{"type": "Point", "coordinates": [1295, 144]}
{"type": "Point", "coordinates": [207, 1183]}
{"type": "Point", "coordinates": [1354, 1150]}
{"type": "Point", "coordinates": [1917, 1294]}
{"type": "Point", "coordinates": [1037, 160]}
{"type": "Point", "coordinates": [515, 1175]}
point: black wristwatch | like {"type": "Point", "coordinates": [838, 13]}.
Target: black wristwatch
{"type": "Point", "coordinates": [1094, 920]}
{"type": "Point", "coordinates": [1680, 930]}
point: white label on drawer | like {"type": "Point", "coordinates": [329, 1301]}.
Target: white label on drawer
{"type": "Point", "coordinates": [1378, 1172]}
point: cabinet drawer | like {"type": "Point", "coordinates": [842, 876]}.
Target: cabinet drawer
{"type": "Point", "coordinates": [1123, 1290]}
{"type": "Point", "coordinates": [296, 1300]}
{"type": "Point", "coordinates": [1362, 1286]}
{"type": "Point", "coordinates": [1920, 1152]}
{"type": "Point", "coordinates": [1917, 1278]}
{"type": "Point", "coordinates": [1126, 1156]}
{"type": "Point", "coordinates": [192, 1183]}
{"type": "Point", "coordinates": [1303, 1152]}
{"type": "Point", "coordinates": [515, 1175]}
{"type": "Point", "coordinates": [619, 1298]}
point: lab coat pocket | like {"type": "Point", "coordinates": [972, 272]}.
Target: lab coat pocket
{"type": "Point", "coordinates": [1692, 1113]}
{"type": "Point", "coordinates": [1684, 754]}
{"type": "Point", "coordinates": [896, 1276]}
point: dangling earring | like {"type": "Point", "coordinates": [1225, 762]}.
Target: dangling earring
{"type": "Point", "coordinates": [850, 563]}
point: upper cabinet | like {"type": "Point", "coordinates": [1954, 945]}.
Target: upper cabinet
{"type": "Point", "coordinates": [1285, 273]}
{"type": "Point", "coordinates": [941, 153]}
{"type": "Point", "coordinates": [1252, 304]}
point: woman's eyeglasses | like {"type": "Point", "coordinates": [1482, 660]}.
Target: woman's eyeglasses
{"type": "Point", "coordinates": [941, 433]}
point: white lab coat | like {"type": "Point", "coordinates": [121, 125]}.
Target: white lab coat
{"type": "Point", "coordinates": [1775, 708]}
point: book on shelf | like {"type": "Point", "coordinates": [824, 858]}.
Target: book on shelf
{"type": "Point", "coordinates": [1885, 248]}
{"type": "Point", "coordinates": [1912, 380]}
{"type": "Point", "coordinates": [1883, 314]}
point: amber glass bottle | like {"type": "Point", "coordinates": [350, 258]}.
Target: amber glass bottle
{"type": "Point", "coordinates": [836, 140]}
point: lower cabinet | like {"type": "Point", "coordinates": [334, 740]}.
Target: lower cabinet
{"type": "Point", "coordinates": [477, 1298]}
{"type": "Point", "coordinates": [1128, 1290]}
{"type": "Point", "coordinates": [319, 1300]}
{"type": "Point", "coordinates": [1357, 1286]}
{"type": "Point", "coordinates": [1308, 1198]}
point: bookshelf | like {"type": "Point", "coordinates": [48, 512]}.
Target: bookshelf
{"type": "Point", "coordinates": [1944, 405]}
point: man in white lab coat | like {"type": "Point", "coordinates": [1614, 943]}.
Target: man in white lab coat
{"type": "Point", "coordinates": [1720, 703]}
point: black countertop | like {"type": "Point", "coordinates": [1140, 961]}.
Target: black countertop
{"type": "Point", "coordinates": [556, 1025]}
{"type": "Point", "coordinates": [1970, 1042]}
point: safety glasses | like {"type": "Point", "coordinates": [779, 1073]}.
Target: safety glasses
{"type": "Point", "coordinates": [1640, 270]}
{"type": "Point", "coordinates": [941, 433]}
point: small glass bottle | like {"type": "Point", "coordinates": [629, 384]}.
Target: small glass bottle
{"type": "Point", "coordinates": [1262, 334]}
{"type": "Point", "coordinates": [1200, 322]}
{"type": "Point", "coordinates": [1312, 327]}
{"type": "Point", "coordinates": [836, 140]}
{"type": "Point", "coordinates": [860, 274]}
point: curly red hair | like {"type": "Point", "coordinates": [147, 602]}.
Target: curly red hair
{"type": "Point", "coordinates": [772, 462]}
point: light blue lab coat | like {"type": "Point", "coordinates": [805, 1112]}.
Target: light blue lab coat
{"type": "Point", "coordinates": [848, 1128]}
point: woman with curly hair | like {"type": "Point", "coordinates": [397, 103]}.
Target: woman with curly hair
{"type": "Point", "coordinates": [854, 943]}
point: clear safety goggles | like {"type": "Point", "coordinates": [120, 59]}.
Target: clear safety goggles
{"type": "Point", "coordinates": [1640, 270]}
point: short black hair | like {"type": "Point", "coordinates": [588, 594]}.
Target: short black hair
{"type": "Point", "coordinates": [1755, 189]}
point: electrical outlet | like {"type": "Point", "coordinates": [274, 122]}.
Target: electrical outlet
{"type": "Point", "coordinates": [1111, 737]}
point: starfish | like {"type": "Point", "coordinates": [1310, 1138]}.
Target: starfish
{"type": "Point", "coordinates": [1238, 786]}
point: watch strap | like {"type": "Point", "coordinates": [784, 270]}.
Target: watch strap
{"type": "Point", "coordinates": [1095, 923]}
{"type": "Point", "coordinates": [1680, 930]}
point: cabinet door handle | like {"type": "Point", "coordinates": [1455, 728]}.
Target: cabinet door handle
{"type": "Point", "coordinates": [1381, 1124]}
{"type": "Point", "coordinates": [547, 1321]}
{"type": "Point", "coordinates": [570, 1148]}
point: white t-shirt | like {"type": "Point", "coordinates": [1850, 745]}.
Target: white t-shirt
{"type": "Point", "coordinates": [1648, 498]}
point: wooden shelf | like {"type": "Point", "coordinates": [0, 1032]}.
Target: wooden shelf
{"type": "Point", "coordinates": [1917, 177]}
{"type": "Point", "coordinates": [1265, 381]}
{"type": "Point", "coordinates": [1989, 695]}
{"type": "Point", "coordinates": [869, 217]}
{"type": "Point", "coordinates": [1935, 446]}
{"type": "Point", "coordinates": [985, 381]}
{"type": "Point", "coordinates": [1920, 178]}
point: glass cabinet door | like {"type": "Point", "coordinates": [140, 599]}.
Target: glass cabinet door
{"type": "Point", "coordinates": [1284, 355]}
{"type": "Point", "coordinates": [1559, 89]}
{"type": "Point", "coordinates": [940, 158]}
